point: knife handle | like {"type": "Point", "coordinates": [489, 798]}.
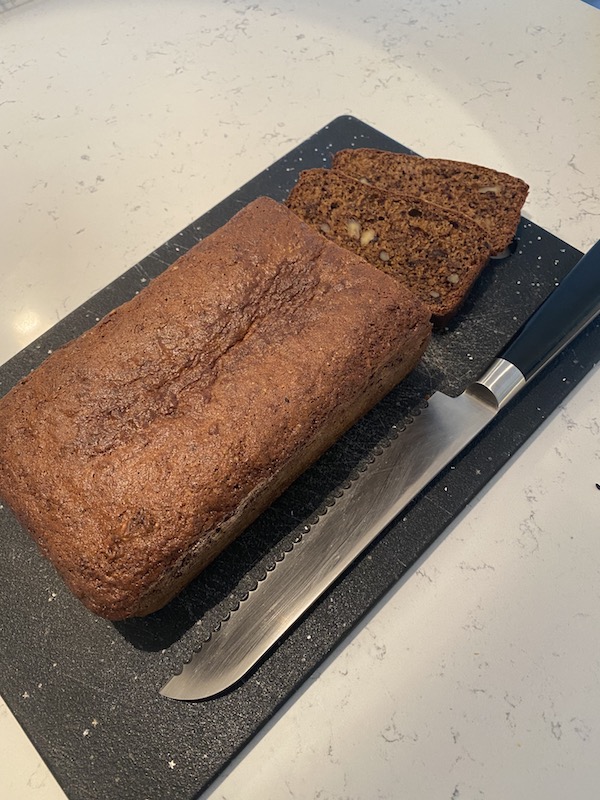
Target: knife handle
{"type": "Point", "coordinates": [564, 314]}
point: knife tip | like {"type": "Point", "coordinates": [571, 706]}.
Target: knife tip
{"type": "Point", "coordinates": [187, 686]}
{"type": "Point", "coordinates": [172, 691]}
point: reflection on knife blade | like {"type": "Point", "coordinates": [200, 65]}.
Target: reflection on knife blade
{"type": "Point", "coordinates": [404, 467]}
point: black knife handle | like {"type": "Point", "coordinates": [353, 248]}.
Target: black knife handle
{"type": "Point", "coordinates": [564, 314]}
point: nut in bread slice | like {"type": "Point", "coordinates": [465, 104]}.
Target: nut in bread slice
{"type": "Point", "coordinates": [493, 199]}
{"type": "Point", "coordinates": [438, 253]}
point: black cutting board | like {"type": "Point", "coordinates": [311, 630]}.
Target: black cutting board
{"type": "Point", "coordinates": [86, 690]}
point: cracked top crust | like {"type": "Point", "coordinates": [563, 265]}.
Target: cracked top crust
{"type": "Point", "coordinates": [128, 450]}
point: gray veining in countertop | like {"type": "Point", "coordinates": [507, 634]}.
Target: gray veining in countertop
{"type": "Point", "coordinates": [478, 676]}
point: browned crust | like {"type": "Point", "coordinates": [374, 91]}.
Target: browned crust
{"type": "Point", "coordinates": [138, 451]}
{"type": "Point", "coordinates": [265, 494]}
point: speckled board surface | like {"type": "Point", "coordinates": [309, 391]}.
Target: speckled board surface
{"type": "Point", "coordinates": [86, 690]}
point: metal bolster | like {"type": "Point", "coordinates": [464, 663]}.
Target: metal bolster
{"type": "Point", "coordinates": [498, 384]}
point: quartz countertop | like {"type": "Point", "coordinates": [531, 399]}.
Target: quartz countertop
{"type": "Point", "coordinates": [478, 675]}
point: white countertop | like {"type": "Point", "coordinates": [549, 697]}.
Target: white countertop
{"type": "Point", "coordinates": [478, 677]}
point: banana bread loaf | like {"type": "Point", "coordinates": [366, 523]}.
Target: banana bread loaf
{"type": "Point", "coordinates": [138, 451]}
{"type": "Point", "coordinates": [438, 253]}
{"type": "Point", "coordinates": [493, 199]}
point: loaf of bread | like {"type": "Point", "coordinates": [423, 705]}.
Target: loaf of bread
{"type": "Point", "coordinates": [493, 199]}
{"type": "Point", "coordinates": [138, 451]}
{"type": "Point", "coordinates": [438, 253]}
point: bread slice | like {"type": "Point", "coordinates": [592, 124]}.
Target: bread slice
{"type": "Point", "coordinates": [438, 253]}
{"type": "Point", "coordinates": [493, 199]}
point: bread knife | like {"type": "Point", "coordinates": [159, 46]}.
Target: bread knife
{"type": "Point", "coordinates": [369, 502]}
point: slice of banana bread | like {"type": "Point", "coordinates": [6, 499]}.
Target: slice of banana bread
{"type": "Point", "coordinates": [494, 199]}
{"type": "Point", "coordinates": [438, 253]}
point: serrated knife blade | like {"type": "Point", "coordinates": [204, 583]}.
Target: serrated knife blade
{"type": "Point", "coordinates": [402, 468]}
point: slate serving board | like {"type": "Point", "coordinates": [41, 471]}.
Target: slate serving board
{"type": "Point", "coordinates": [86, 690]}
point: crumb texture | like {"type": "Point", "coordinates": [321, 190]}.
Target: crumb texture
{"type": "Point", "coordinates": [493, 199]}
{"type": "Point", "coordinates": [436, 252]}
